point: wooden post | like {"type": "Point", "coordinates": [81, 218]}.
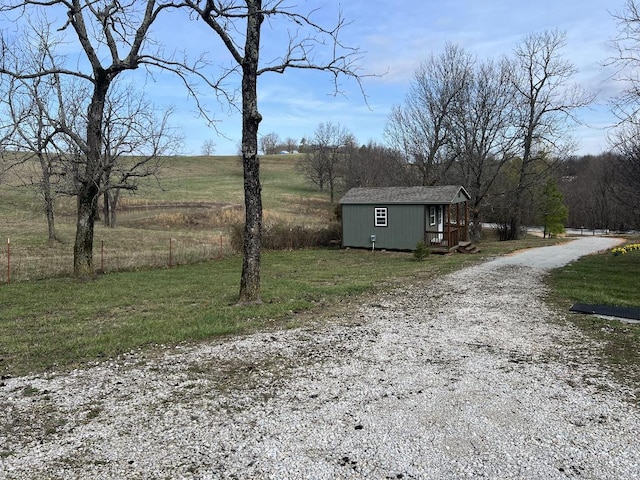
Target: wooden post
{"type": "Point", "coordinates": [8, 260]}
{"type": "Point", "coordinates": [466, 220]}
{"type": "Point", "coordinates": [448, 226]}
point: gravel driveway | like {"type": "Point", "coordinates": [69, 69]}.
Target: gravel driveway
{"type": "Point", "coordinates": [464, 377]}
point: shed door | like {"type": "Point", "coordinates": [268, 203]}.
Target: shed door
{"type": "Point", "coordinates": [440, 222]}
{"type": "Point", "coordinates": [435, 222]}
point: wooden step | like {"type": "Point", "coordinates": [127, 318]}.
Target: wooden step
{"type": "Point", "coordinates": [467, 247]}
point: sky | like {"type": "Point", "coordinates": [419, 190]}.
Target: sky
{"type": "Point", "coordinates": [397, 36]}
{"type": "Point", "coordinates": [394, 37]}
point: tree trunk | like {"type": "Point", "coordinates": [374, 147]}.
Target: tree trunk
{"type": "Point", "coordinates": [514, 228]}
{"type": "Point", "coordinates": [83, 247]}
{"type": "Point", "coordinates": [475, 230]}
{"type": "Point", "coordinates": [48, 198]}
{"type": "Point", "coordinates": [89, 188]}
{"type": "Point", "coordinates": [113, 206]}
{"type": "Point", "coordinates": [250, 279]}
{"type": "Point", "coordinates": [106, 217]}
{"type": "Point", "coordinates": [516, 213]}
{"type": "Point", "coordinates": [331, 189]}
{"type": "Point", "coordinates": [49, 212]}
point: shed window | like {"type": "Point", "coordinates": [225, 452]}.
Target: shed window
{"type": "Point", "coordinates": [381, 217]}
{"type": "Point", "coordinates": [432, 215]}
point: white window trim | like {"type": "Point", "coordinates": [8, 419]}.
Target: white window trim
{"type": "Point", "coordinates": [380, 217]}
{"type": "Point", "coordinates": [432, 216]}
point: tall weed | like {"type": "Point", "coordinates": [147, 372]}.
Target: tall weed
{"type": "Point", "coordinates": [283, 236]}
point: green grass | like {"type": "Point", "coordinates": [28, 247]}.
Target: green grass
{"type": "Point", "coordinates": [219, 179]}
{"type": "Point", "coordinates": [60, 323]}
{"type": "Point", "coordinates": [142, 237]}
{"type": "Point", "coordinates": [601, 279]}
{"type": "Point", "coordinates": [611, 280]}
{"type": "Point", "coordinates": [50, 321]}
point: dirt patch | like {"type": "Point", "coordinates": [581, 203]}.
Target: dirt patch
{"type": "Point", "coordinates": [127, 205]}
{"type": "Point", "coordinates": [206, 215]}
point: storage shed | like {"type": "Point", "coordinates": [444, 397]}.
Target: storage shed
{"type": "Point", "coordinates": [398, 218]}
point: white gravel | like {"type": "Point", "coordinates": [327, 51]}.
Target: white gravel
{"type": "Point", "coordinates": [465, 377]}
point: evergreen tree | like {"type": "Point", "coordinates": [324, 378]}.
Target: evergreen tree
{"type": "Point", "coordinates": [554, 212]}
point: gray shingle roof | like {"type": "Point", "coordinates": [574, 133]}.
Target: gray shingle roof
{"type": "Point", "coordinates": [407, 195]}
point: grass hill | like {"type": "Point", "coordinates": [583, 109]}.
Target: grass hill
{"type": "Point", "coordinates": [187, 210]}
{"type": "Point", "coordinates": [49, 320]}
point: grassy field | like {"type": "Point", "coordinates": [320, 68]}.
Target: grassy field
{"type": "Point", "coordinates": [50, 321]}
{"type": "Point", "coordinates": [610, 280]}
{"type": "Point", "coordinates": [187, 212]}
{"type": "Point", "coordinates": [62, 323]}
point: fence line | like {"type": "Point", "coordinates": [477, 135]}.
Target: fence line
{"type": "Point", "coordinates": [24, 266]}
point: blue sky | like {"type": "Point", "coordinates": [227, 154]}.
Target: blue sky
{"type": "Point", "coordinates": [395, 38]}
{"type": "Point", "coordinates": [398, 35]}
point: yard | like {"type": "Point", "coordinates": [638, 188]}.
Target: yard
{"type": "Point", "coordinates": [480, 377]}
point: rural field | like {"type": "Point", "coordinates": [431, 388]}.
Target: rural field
{"type": "Point", "coordinates": [170, 275]}
{"type": "Point", "coordinates": [190, 206]}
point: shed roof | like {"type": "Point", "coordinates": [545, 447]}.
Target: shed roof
{"type": "Point", "coordinates": [440, 195]}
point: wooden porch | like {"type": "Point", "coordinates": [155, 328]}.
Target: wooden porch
{"type": "Point", "coordinates": [455, 231]}
{"type": "Point", "coordinates": [450, 237]}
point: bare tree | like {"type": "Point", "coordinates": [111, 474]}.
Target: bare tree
{"type": "Point", "coordinates": [322, 164]}
{"type": "Point", "coordinates": [208, 148]}
{"type": "Point", "coordinates": [482, 135]}
{"type": "Point", "coordinates": [375, 165]}
{"type": "Point", "coordinates": [626, 60]}
{"type": "Point", "coordinates": [626, 169]}
{"type": "Point", "coordinates": [291, 144]}
{"type": "Point", "coordinates": [7, 127]}
{"type": "Point", "coordinates": [112, 36]}
{"type": "Point", "coordinates": [34, 106]}
{"type": "Point", "coordinates": [239, 25]}
{"type": "Point", "coordinates": [624, 140]}
{"type": "Point", "coordinates": [546, 100]}
{"type": "Point", "coordinates": [136, 138]}
{"type": "Point", "coordinates": [269, 143]}
{"type": "Point", "coordinates": [313, 168]}
{"type": "Point", "coordinates": [421, 127]}
{"type": "Point", "coordinates": [34, 139]}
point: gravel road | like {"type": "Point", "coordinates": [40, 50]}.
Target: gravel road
{"type": "Point", "coordinates": [464, 377]}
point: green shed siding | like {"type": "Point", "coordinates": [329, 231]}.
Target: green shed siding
{"type": "Point", "coordinates": [405, 226]}
{"type": "Point", "coordinates": [407, 216]}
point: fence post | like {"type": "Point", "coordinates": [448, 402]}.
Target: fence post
{"type": "Point", "coordinates": [8, 260]}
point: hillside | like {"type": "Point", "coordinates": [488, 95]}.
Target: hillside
{"type": "Point", "coordinates": [184, 214]}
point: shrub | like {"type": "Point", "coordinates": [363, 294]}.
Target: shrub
{"type": "Point", "coordinates": [289, 237]}
{"type": "Point", "coordinates": [421, 252]}
{"type": "Point", "coordinates": [507, 232]}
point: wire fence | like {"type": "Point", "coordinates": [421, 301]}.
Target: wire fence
{"type": "Point", "coordinates": [21, 264]}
